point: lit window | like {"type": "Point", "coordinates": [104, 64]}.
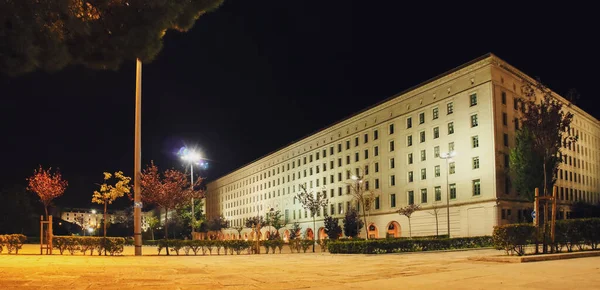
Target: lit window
{"type": "Point", "coordinates": [410, 158]}
{"type": "Point", "coordinates": [410, 176]}
{"type": "Point", "coordinates": [409, 140]}
{"type": "Point", "coordinates": [408, 123]}
{"type": "Point", "coordinates": [450, 108]}
{"type": "Point", "coordinates": [450, 128]}
{"type": "Point", "coordinates": [473, 99]}
{"type": "Point", "coordinates": [475, 141]}
{"type": "Point", "coordinates": [452, 188]}
{"type": "Point", "coordinates": [476, 187]}
{"type": "Point", "coordinates": [423, 195]}
{"type": "Point", "coordinates": [421, 118]}
{"type": "Point", "coordinates": [450, 146]}
{"type": "Point", "coordinates": [436, 151]}
{"type": "Point", "coordinates": [423, 173]}
{"type": "Point", "coordinates": [437, 171]}
{"type": "Point", "coordinates": [435, 113]}
{"type": "Point", "coordinates": [474, 122]}
{"type": "Point", "coordinates": [411, 197]}
{"type": "Point", "coordinates": [423, 155]}
{"type": "Point", "coordinates": [452, 167]}
{"type": "Point", "coordinates": [475, 162]}
{"type": "Point", "coordinates": [422, 136]}
{"type": "Point", "coordinates": [436, 132]}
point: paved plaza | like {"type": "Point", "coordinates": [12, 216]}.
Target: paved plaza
{"type": "Point", "coordinates": [443, 270]}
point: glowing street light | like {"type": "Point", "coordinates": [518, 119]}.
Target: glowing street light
{"type": "Point", "coordinates": [192, 157]}
{"type": "Point", "coordinates": [93, 211]}
{"type": "Point", "coordinates": [448, 157]}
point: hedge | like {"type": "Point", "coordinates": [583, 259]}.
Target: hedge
{"type": "Point", "coordinates": [570, 234]}
{"type": "Point", "coordinates": [513, 237]}
{"type": "Point", "coordinates": [380, 246]}
{"type": "Point", "coordinates": [12, 242]}
{"type": "Point", "coordinates": [195, 247]}
{"type": "Point", "coordinates": [72, 244]}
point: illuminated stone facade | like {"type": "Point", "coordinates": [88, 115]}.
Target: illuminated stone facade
{"type": "Point", "coordinates": [470, 110]}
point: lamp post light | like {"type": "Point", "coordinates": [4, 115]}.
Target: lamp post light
{"type": "Point", "coordinates": [448, 157]}
{"type": "Point", "coordinates": [193, 158]}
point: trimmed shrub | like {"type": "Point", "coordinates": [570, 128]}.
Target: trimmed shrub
{"type": "Point", "coordinates": [514, 237]}
{"type": "Point", "coordinates": [306, 243]}
{"type": "Point", "coordinates": [577, 233]}
{"type": "Point", "coordinates": [404, 245]}
{"type": "Point", "coordinates": [12, 242]}
{"type": "Point", "coordinates": [72, 244]}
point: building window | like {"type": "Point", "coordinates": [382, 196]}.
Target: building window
{"type": "Point", "coordinates": [437, 171]}
{"type": "Point", "coordinates": [516, 124]}
{"type": "Point", "coordinates": [436, 132]}
{"type": "Point", "coordinates": [376, 166]}
{"type": "Point", "coordinates": [332, 209]}
{"type": "Point", "coordinates": [436, 151]}
{"type": "Point", "coordinates": [409, 140]}
{"type": "Point", "coordinates": [340, 209]}
{"type": "Point", "coordinates": [452, 188]}
{"type": "Point", "coordinates": [347, 144]}
{"type": "Point", "coordinates": [450, 146]}
{"type": "Point", "coordinates": [476, 187]}
{"type": "Point", "coordinates": [515, 103]}
{"type": "Point", "coordinates": [410, 176]}
{"type": "Point", "coordinates": [422, 136]}
{"type": "Point", "coordinates": [376, 151]}
{"type": "Point", "coordinates": [475, 141]}
{"type": "Point", "coordinates": [423, 195]}
{"type": "Point", "coordinates": [408, 123]}
{"type": "Point", "coordinates": [474, 122]}
{"type": "Point", "coordinates": [438, 193]}
{"type": "Point", "coordinates": [392, 180]}
{"type": "Point", "coordinates": [503, 98]}
{"type": "Point", "coordinates": [377, 202]}
{"type": "Point", "coordinates": [410, 158]}
{"type": "Point", "coordinates": [355, 141]}
{"type": "Point", "coordinates": [376, 183]}
{"type": "Point", "coordinates": [375, 135]}
{"type": "Point", "coordinates": [393, 200]}
{"type": "Point", "coordinates": [475, 162]}
{"type": "Point", "coordinates": [411, 197]}
{"type": "Point", "coordinates": [450, 128]}
{"type": "Point", "coordinates": [421, 118]}
{"type": "Point", "coordinates": [347, 159]}
{"type": "Point", "coordinates": [366, 138]}
{"type": "Point", "coordinates": [473, 99]}
{"type": "Point", "coordinates": [392, 146]}
{"type": "Point", "coordinates": [423, 155]}
{"type": "Point", "coordinates": [423, 173]}
{"type": "Point", "coordinates": [392, 163]}
{"type": "Point", "coordinates": [450, 108]}
{"type": "Point", "coordinates": [506, 161]}
{"type": "Point", "coordinates": [505, 139]}
{"type": "Point", "coordinates": [504, 119]}
{"type": "Point", "coordinates": [435, 113]}
{"type": "Point", "coordinates": [452, 167]}
{"type": "Point", "coordinates": [339, 147]}
{"type": "Point", "coordinates": [391, 129]}
{"type": "Point", "coordinates": [366, 153]}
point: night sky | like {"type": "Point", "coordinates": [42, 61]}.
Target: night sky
{"type": "Point", "coordinates": [256, 75]}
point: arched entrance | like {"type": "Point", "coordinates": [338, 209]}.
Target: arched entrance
{"type": "Point", "coordinates": [322, 234]}
{"type": "Point", "coordinates": [267, 235]}
{"type": "Point", "coordinates": [310, 234]}
{"type": "Point", "coordinates": [373, 232]}
{"type": "Point", "coordinates": [246, 236]}
{"type": "Point", "coordinates": [228, 237]}
{"type": "Point", "coordinates": [393, 229]}
{"type": "Point", "coordinates": [286, 235]}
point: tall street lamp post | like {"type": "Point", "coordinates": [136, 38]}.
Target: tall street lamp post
{"type": "Point", "coordinates": [448, 157]}
{"type": "Point", "coordinates": [193, 158]}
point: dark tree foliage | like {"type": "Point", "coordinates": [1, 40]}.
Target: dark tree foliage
{"type": "Point", "coordinates": [332, 228]}
{"type": "Point", "coordinates": [526, 166]}
{"type": "Point", "coordinates": [548, 120]}
{"type": "Point", "coordinates": [218, 223]}
{"type": "Point", "coordinates": [295, 231]}
{"type": "Point", "coordinates": [352, 223]}
{"type": "Point", "coordinates": [101, 34]}
{"type": "Point", "coordinates": [17, 212]}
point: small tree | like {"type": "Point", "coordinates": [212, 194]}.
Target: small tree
{"type": "Point", "coordinates": [275, 219]}
{"type": "Point", "coordinates": [239, 230]}
{"type": "Point", "coordinates": [408, 211]}
{"type": "Point", "coordinates": [47, 185]}
{"type": "Point", "coordinates": [217, 224]}
{"type": "Point", "coordinates": [526, 167]}
{"type": "Point", "coordinates": [80, 221]}
{"type": "Point", "coordinates": [332, 227]}
{"type": "Point", "coordinates": [352, 223]}
{"type": "Point", "coordinates": [435, 211]}
{"type": "Point", "coordinates": [109, 193]}
{"type": "Point", "coordinates": [169, 190]}
{"type": "Point", "coordinates": [313, 203]}
{"type": "Point", "coordinates": [364, 197]}
{"type": "Point", "coordinates": [153, 223]}
{"type": "Point", "coordinates": [295, 231]}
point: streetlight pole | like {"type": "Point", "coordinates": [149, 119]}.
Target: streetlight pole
{"type": "Point", "coordinates": [137, 167]}
{"type": "Point", "coordinates": [448, 156]}
{"type": "Point", "coordinates": [192, 157]}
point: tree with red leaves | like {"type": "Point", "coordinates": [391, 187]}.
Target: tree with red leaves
{"type": "Point", "coordinates": [169, 190]}
{"type": "Point", "coordinates": [47, 185]}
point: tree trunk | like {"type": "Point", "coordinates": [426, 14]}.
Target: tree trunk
{"type": "Point", "coordinates": [152, 233]}
{"type": "Point", "coordinates": [409, 229]}
{"type": "Point", "coordinates": [544, 250]}
{"type": "Point", "coordinates": [167, 228]}
{"type": "Point", "coordinates": [104, 241]}
{"type": "Point", "coordinates": [314, 239]}
{"type": "Point", "coordinates": [46, 210]}
{"type": "Point", "coordinates": [437, 232]}
{"type": "Point", "coordinates": [365, 219]}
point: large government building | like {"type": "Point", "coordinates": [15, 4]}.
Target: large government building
{"type": "Point", "coordinates": [471, 110]}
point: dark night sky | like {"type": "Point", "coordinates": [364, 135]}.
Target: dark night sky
{"type": "Point", "coordinates": [257, 75]}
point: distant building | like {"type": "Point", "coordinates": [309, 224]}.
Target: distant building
{"type": "Point", "coordinates": [472, 110]}
{"type": "Point", "coordinates": [92, 218]}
